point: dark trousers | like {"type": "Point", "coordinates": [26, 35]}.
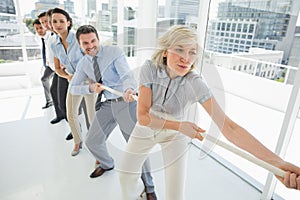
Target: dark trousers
{"type": "Point", "coordinates": [59, 90]}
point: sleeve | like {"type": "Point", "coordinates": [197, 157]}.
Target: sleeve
{"type": "Point", "coordinates": [52, 49]}
{"type": "Point", "coordinates": [146, 74]}
{"type": "Point", "coordinates": [198, 88]}
{"type": "Point", "coordinates": [122, 67]}
{"type": "Point", "coordinates": [49, 52]}
{"type": "Point", "coordinates": [78, 84]}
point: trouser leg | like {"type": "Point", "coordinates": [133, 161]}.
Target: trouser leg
{"type": "Point", "coordinates": [48, 73]}
{"type": "Point", "coordinates": [88, 106]}
{"type": "Point", "coordinates": [54, 94]}
{"type": "Point", "coordinates": [62, 90]}
{"type": "Point", "coordinates": [126, 118]}
{"type": "Point", "coordinates": [83, 108]}
{"type": "Point", "coordinates": [175, 154]}
{"type": "Point", "coordinates": [73, 102]}
{"type": "Point", "coordinates": [90, 101]}
{"type": "Point", "coordinates": [100, 129]}
{"type": "Point", "coordinates": [137, 150]}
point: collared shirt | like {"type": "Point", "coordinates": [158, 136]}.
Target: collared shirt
{"type": "Point", "coordinates": [49, 55]}
{"type": "Point", "coordinates": [70, 57]}
{"type": "Point", "coordinates": [39, 41]}
{"type": "Point", "coordinates": [173, 96]}
{"type": "Point", "coordinates": [114, 70]}
{"type": "Point", "coordinates": [38, 38]}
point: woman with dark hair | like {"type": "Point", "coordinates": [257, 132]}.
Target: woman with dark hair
{"type": "Point", "coordinates": [67, 52]}
{"type": "Point", "coordinates": [59, 86]}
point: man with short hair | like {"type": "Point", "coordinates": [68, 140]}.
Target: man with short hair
{"type": "Point", "coordinates": [43, 36]}
{"type": "Point", "coordinates": [107, 65]}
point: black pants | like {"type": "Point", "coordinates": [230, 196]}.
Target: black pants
{"type": "Point", "coordinates": [59, 90]}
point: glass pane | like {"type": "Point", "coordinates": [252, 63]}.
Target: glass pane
{"type": "Point", "coordinates": [257, 74]}
{"type": "Point", "coordinates": [291, 156]}
{"type": "Point", "coordinates": [250, 59]}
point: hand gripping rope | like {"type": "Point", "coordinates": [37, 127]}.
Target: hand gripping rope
{"type": "Point", "coordinates": [275, 170]}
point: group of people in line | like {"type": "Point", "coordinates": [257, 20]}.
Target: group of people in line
{"type": "Point", "coordinates": [168, 85]}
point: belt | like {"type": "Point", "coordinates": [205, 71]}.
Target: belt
{"type": "Point", "coordinates": [115, 100]}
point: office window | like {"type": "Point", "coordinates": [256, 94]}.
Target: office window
{"type": "Point", "coordinates": [259, 30]}
{"type": "Point", "coordinates": [249, 25]}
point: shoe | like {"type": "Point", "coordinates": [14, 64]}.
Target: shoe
{"type": "Point", "coordinates": [56, 120]}
{"type": "Point", "coordinates": [48, 104]}
{"type": "Point", "coordinates": [76, 152]}
{"type": "Point", "coordinates": [69, 137]}
{"type": "Point", "coordinates": [99, 171]}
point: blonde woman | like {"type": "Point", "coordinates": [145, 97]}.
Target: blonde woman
{"type": "Point", "coordinates": [168, 87]}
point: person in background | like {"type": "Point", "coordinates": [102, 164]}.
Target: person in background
{"type": "Point", "coordinates": [43, 36]}
{"type": "Point", "coordinates": [59, 85]}
{"type": "Point", "coordinates": [107, 65]}
{"type": "Point", "coordinates": [168, 87]}
{"type": "Point", "coordinates": [67, 52]}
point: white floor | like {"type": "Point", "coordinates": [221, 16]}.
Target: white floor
{"type": "Point", "coordinates": [36, 163]}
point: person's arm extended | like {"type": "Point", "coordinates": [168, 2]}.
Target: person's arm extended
{"type": "Point", "coordinates": [61, 71]}
{"type": "Point", "coordinates": [243, 139]}
{"type": "Point", "coordinates": [81, 84]}
{"type": "Point", "coordinates": [147, 119]}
